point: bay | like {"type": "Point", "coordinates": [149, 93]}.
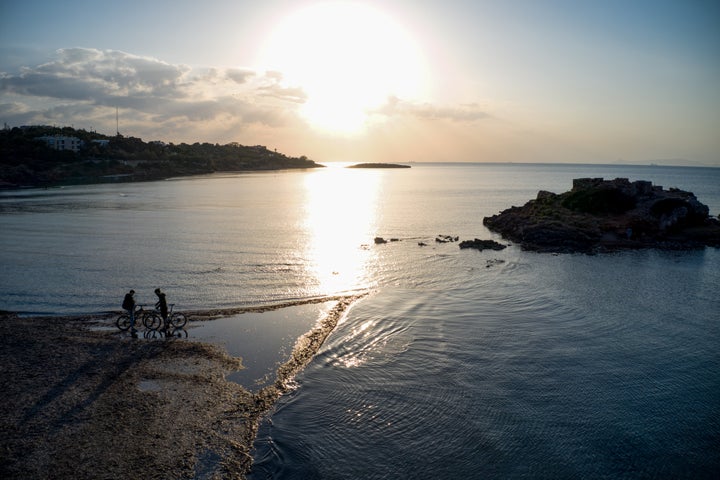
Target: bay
{"type": "Point", "coordinates": [457, 364]}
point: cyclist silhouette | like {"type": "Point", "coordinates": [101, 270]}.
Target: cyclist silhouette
{"type": "Point", "coordinates": [162, 305]}
{"type": "Point", "coordinates": [129, 305]}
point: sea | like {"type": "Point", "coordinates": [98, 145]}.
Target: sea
{"type": "Point", "coordinates": [455, 364]}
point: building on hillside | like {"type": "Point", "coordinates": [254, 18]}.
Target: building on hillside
{"type": "Point", "coordinates": [61, 142]}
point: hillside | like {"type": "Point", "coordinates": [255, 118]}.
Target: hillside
{"type": "Point", "coordinates": [27, 160]}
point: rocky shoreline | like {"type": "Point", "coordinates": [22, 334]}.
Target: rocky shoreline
{"type": "Point", "coordinates": [600, 215]}
{"type": "Point", "coordinates": [82, 400]}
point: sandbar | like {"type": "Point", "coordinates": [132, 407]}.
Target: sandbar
{"type": "Point", "coordinates": [83, 400]}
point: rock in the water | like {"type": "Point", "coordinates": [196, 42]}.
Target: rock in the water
{"type": "Point", "coordinates": [482, 244]}
{"type": "Point", "coordinates": [603, 215]}
{"type": "Point", "coordinates": [446, 239]}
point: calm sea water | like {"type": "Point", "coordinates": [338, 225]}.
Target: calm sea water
{"type": "Point", "coordinates": [458, 364]}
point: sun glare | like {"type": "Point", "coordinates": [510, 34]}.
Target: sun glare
{"type": "Point", "coordinates": [341, 208]}
{"type": "Point", "coordinates": [348, 58]}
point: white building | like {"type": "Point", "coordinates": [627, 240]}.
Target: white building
{"type": "Point", "coordinates": [61, 142]}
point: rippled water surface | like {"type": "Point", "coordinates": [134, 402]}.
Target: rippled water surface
{"type": "Point", "coordinates": [575, 370]}
{"type": "Point", "coordinates": [457, 364]}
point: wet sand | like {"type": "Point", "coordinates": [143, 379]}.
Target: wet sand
{"type": "Point", "coordinates": [82, 400]}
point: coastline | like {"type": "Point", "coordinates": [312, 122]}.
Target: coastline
{"type": "Point", "coordinates": [83, 400]}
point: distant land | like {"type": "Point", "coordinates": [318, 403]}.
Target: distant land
{"type": "Point", "coordinates": [37, 156]}
{"type": "Point", "coordinates": [662, 162]}
{"type": "Point", "coordinates": [378, 165]}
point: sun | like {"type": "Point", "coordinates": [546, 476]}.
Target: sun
{"type": "Point", "coordinates": [348, 58]}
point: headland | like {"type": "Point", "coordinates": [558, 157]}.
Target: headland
{"type": "Point", "coordinates": [43, 156]}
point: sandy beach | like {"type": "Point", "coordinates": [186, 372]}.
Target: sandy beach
{"type": "Point", "coordinates": [82, 400]}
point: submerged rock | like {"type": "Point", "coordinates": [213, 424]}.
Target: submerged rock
{"type": "Point", "coordinates": [603, 215]}
{"type": "Point", "coordinates": [381, 240]}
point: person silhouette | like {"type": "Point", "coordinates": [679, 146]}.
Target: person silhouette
{"type": "Point", "coordinates": [162, 306]}
{"type": "Point", "coordinates": [129, 305]}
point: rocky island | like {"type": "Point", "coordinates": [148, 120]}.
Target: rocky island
{"type": "Point", "coordinates": [378, 165]}
{"type": "Point", "coordinates": [600, 215]}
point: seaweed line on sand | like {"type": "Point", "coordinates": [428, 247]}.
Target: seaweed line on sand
{"type": "Point", "coordinates": [73, 406]}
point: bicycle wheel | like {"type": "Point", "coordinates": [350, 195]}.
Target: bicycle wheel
{"type": "Point", "coordinates": [152, 321]}
{"type": "Point", "coordinates": [123, 322]}
{"type": "Point", "coordinates": [178, 320]}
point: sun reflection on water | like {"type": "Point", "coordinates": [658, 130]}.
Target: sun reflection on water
{"type": "Point", "coordinates": [340, 221]}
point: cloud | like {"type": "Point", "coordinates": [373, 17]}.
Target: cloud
{"type": "Point", "coordinates": [290, 94]}
{"type": "Point", "coordinates": [239, 76]}
{"type": "Point", "coordinates": [174, 102]}
{"type": "Point", "coordinates": [86, 74]}
{"type": "Point", "coordinates": [463, 113]}
{"type": "Point", "coordinates": [79, 85]}
{"type": "Point", "coordinates": [19, 113]}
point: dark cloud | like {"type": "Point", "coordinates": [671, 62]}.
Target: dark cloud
{"type": "Point", "coordinates": [19, 114]}
{"type": "Point", "coordinates": [44, 84]}
{"type": "Point", "coordinates": [239, 76]}
{"type": "Point", "coordinates": [16, 113]}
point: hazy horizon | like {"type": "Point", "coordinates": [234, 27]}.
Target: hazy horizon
{"type": "Point", "coordinates": [394, 81]}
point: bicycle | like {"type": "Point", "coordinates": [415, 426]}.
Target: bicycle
{"type": "Point", "coordinates": [148, 320]}
{"type": "Point", "coordinates": [174, 319]}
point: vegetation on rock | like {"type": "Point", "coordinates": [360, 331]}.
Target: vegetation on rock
{"type": "Point", "coordinates": [602, 215]}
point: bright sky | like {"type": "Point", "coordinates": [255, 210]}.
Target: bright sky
{"type": "Point", "coordinates": [399, 80]}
